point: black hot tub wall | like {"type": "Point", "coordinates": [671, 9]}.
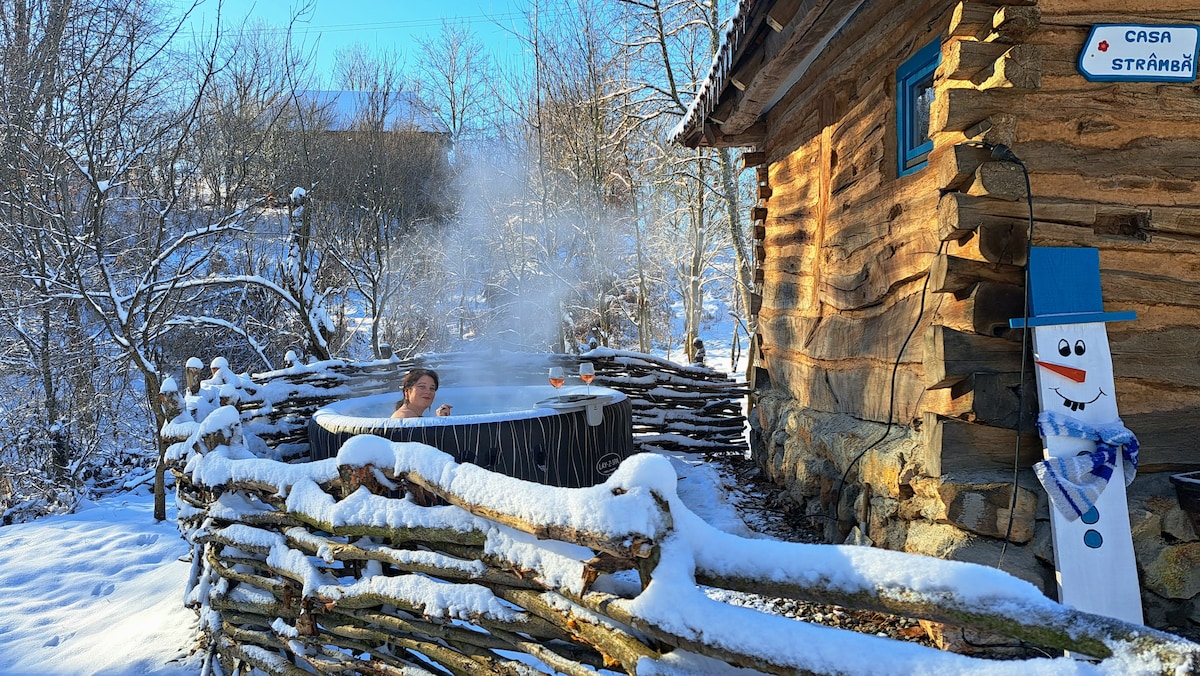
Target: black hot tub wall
{"type": "Point", "coordinates": [557, 450]}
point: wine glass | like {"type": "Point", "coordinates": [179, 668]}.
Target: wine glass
{"type": "Point", "coordinates": [586, 373]}
{"type": "Point", "coordinates": [557, 377]}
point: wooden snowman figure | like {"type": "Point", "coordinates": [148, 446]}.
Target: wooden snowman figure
{"type": "Point", "coordinates": [1090, 457]}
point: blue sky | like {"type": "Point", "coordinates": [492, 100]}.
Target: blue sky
{"type": "Point", "coordinates": [381, 24]}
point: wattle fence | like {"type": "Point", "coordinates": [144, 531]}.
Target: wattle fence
{"type": "Point", "coordinates": [393, 559]}
{"type": "Point", "coordinates": [681, 408]}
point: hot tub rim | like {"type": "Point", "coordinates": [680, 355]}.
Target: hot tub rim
{"type": "Point", "coordinates": [340, 422]}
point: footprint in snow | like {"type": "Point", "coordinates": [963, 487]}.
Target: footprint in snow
{"type": "Point", "coordinates": [103, 589]}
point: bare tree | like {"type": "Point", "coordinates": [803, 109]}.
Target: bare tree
{"type": "Point", "coordinates": [454, 74]}
{"type": "Point", "coordinates": [265, 141]}
{"type": "Point", "coordinates": [104, 235]}
{"type": "Point", "coordinates": [675, 44]}
{"type": "Point", "coordinates": [242, 118]}
{"type": "Point", "coordinates": [390, 185]}
{"type": "Point", "coordinates": [575, 220]}
{"type": "Point", "coordinates": [28, 309]}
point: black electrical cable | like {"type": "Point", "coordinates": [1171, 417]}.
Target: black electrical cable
{"type": "Point", "coordinates": [1023, 645]}
{"type": "Point", "coordinates": [1000, 153]}
{"type": "Point", "coordinates": [891, 393]}
{"type": "Point", "coordinates": [1004, 154]}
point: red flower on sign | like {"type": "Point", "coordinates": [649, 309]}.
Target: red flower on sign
{"type": "Point", "coordinates": [1103, 46]}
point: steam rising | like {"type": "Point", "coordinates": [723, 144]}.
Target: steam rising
{"type": "Point", "coordinates": [514, 273]}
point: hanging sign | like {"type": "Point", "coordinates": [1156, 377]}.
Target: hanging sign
{"type": "Point", "coordinates": [1140, 53]}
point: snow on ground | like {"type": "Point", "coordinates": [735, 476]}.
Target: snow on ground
{"type": "Point", "coordinates": [99, 591]}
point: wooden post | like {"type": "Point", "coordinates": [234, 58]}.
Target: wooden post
{"type": "Point", "coordinates": [168, 395]}
{"type": "Point", "coordinates": [194, 372]}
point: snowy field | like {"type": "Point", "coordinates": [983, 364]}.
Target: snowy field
{"type": "Point", "coordinates": [99, 591]}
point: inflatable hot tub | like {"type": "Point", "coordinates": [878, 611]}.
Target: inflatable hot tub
{"type": "Point", "coordinates": [572, 437]}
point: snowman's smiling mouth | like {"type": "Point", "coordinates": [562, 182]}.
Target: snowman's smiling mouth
{"type": "Point", "coordinates": [1077, 405]}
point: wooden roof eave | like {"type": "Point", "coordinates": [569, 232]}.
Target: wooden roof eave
{"type": "Point", "coordinates": [772, 55]}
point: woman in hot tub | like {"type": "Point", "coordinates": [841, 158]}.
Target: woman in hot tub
{"type": "Point", "coordinates": [420, 386]}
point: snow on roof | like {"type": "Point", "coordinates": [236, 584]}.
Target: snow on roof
{"type": "Point", "coordinates": [802, 42]}
{"type": "Point", "coordinates": [718, 72]}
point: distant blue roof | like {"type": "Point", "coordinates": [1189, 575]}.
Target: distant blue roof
{"type": "Point", "coordinates": [406, 110]}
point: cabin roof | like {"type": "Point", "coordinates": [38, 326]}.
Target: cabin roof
{"type": "Point", "coordinates": [767, 48]}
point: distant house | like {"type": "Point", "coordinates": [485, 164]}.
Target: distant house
{"type": "Point", "coordinates": [885, 211]}
{"type": "Point", "coordinates": [345, 111]}
{"type": "Point", "coordinates": [363, 144]}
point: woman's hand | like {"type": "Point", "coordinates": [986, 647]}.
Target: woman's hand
{"type": "Point", "coordinates": [444, 409]}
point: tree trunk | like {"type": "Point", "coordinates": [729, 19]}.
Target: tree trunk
{"type": "Point", "coordinates": [153, 384]}
{"type": "Point", "coordinates": [695, 290]}
{"type": "Point", "coordinates": [302, 284]}
{"type": "Point", "coordinates": [737, 234]}
{"type": "Point", "coordinates": [645, 335]}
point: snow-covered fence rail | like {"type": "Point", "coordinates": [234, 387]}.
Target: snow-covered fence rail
{"type": "Point", "coordinates": [393, 559]}
{"type": "Point", "coordinates": [674, 407]}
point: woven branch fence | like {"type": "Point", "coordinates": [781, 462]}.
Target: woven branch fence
{"type": "Point", "coordinates": [393, 559]}
{"type": "Point", "coordinates": [675, 408]}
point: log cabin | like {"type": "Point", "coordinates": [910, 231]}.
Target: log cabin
{"type": "Point", "coordinates": [907, 155]}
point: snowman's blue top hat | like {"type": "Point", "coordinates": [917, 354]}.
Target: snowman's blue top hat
{"type": "Point", "coordinates": [1064, 288]}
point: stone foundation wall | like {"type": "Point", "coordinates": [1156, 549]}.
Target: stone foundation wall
{"type": "Point", "coordinates": [889, 500]}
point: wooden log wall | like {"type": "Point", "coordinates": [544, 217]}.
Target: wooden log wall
{"type": "Point", "coordinates": [680, 408]}
{"type": "Point", "coordinates": [1112, 166]}
{"type": "Point", "coordinates": [396, 560]}
{"type": "Point", "coordinates": [846, 244]}
{"type": "Point", "coordinates": [852, 258]}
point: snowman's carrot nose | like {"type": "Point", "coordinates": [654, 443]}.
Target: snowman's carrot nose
{"type": "Point", "coordinates": [1078, 375]}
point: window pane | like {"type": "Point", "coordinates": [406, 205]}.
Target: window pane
{"type": "Point", "coordinates": [914, 102]}
{"type": "Point", "coordinates": [922, 103]}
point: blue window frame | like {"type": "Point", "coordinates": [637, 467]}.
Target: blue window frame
{"type": "Point", "coordinates": [914, 97]}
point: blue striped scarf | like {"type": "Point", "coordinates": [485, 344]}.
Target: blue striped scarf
{"type": "Point", "coordinates": [1074, 483]}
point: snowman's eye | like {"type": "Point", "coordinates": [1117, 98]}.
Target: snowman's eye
{"type": "Point", "coordinates": [1064, 348]}
{"type": "Point", "coordinates": [1080, 348]}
